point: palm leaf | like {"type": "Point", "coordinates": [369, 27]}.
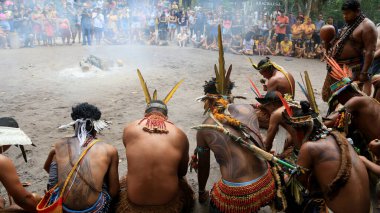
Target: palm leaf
{"type": "Point", "coordinates": [171, 93]}
{"type": "Point", "coordinates": [144, 87]}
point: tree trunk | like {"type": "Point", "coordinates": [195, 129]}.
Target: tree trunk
{"type": "Point", "coordinates": [286, 5]}
{"type": "Point", "coordinates": [299, 7]}
{"type": "Point", "coordinates": [308, 7]}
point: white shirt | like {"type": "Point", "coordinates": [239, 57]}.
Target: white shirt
{"type": "Point", "coordinates": [98, 20]}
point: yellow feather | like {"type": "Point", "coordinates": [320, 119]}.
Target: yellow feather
{"type": "Point", "coordinates": [155, 95]}
{"type": "Point", "coordinates": [144, 87]}
{"type": "Point", "coordinates": [310, 92]}
{"type": "Point", "coordinates": [171, 93]}
{"type": "Point", "coordinates": [221, 83]}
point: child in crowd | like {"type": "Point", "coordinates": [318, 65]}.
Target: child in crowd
{"type": "Point", "coordinates": [299, 49]}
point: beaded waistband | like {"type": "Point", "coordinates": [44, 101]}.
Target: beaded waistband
{"type": "Point", "coordinates": [248, 198]}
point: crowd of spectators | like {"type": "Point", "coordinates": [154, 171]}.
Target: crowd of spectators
{"type": "Point", "coordinates": [158, 22]}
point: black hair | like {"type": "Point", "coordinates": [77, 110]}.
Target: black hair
{"type": "Point", "coordinates": [85, 111]}
{"type": "Point", "coordinates": [8, 122]}
{"type": "Point", "coordinates": [353, 5]}
{"type": "Point", "coordinates": [263, 61]}
{"type": "Point", "coordinates": [303, 111]}
{"type": "Point", "coordinates": [152, 108]}
{"type": "Point", "coordinates": [210, 86]}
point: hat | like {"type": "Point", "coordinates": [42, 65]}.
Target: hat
{"type": "Point", "coordinates": [11, 134]}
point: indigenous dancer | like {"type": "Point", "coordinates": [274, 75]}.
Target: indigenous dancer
{"type": "Point", "coordinates": [248, 182]}
{"type": "Point", "coordinates": [334, 172]}
{"type": "Point", "coordinates": [157, 155]}
{"type": "Point", "coordinates": [278, 80]}
{"type": "Point", "coordinates": [11, 134]}
{"type": "Point", "coordinates": [374, 71]}
{"type": "Point", "coordinates": [354, 46]}
{"type": "Point", "coordinates": [359, 112]}
{"type": "Point", "coordinates": [96, 178]}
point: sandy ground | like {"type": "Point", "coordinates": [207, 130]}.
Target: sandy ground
{"type": "Point", "coordinates": [38, 87]}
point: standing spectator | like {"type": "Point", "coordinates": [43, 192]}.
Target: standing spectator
{"type": "Point", "coordinates": [37, 20]}
{"type": "Point", "coordinates": [227, 24]}
{"type": "Point", "coordinates": [265, 26]}
{"type": "Point", "coordinates": [65, 31]}
{"type": "Point", "coordinates": [162, 28]}
{"type": "Point", "coordinates": [72, 16]}
{"type": "Point", "coordinates": [172, 25]}
{"type": "Point", "coordinates": [292, 21]}
{"type": "Point", "coordinates": [286, 47]}
{"type": "Point", "coordinates": [330, 21]}
{"type": "Point", "coordinates": [192, 22]}
{"type": "Point", "coordinates": [98, 20]}
{"type": "Point", "coordinates": [86, 26]}
{"type": "Point", "coordinates": [183, 21]}
{"type": "Point", "coordinates": [200, 22]}
{"type": "Point", "coordinates": [297, 32]}
{"type": "Point", "coordinates": [281, 22]}
{"type": "Point", "coordinates": [309, 29]}
{"type": "Point", "coordinates": [318, 25]}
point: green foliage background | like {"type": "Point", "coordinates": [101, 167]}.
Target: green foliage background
{"type": "Point", "coordinates": [371, 9]}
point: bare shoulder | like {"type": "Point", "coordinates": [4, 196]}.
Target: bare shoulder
{"type": "Point", "coordinates": [368, 23]}
{"type": "Point", "coordinates": [178, 133]}
{"type": "Point", "coordinates": [357, 102]}
{"type": "Point", "coordinates": [130, 129]}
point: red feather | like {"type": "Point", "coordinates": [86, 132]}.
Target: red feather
{"type": "Point", "coordinates": [286, 105]}
{"type": "Point", "coordinates": [254, 86]}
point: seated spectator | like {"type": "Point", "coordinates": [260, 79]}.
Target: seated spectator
{"type": "Point", "coordinates": [248, 45]}
{"type": "Point", "coordinates": [152, 39]}
{"type": "Point", "coordinates": [227, 38]}
{"type": "Point", "coordinates": [299, 49]}
{"type": "Point", "coordinates": [236, 44]}
{"type": "Point", "coordinates": [182, 38]}
{"type": "Point", "coordinates": [197, 39]}
{"type": "Point", "coordinates": [319, 50]}
{"type": "Point", "coordinates": [272, 47]}
{"type": "Point", "coordinates": [286, 47]}
{"type": "Point", "coordinates": [261, 46]}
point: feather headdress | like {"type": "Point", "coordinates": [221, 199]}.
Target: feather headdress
{"type": "Point", "coordinates": [222, 77]}
{"type": "Point", "coordinates": [310, 93]}
{"type": "Point", "coordinates": [148, 98]}
{"type": "Point", "coordinates": [342, 75]}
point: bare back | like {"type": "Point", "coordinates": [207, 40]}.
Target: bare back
{"type": "Point", "coordinates": [237, 164]}
{"type": "Point", "coordinates": [96, 168]}
{"type": "Point", "coordinates": [323, 158]}
{"type": "Point", "coordinates": [279, 82]}
{"type": "Point", "coordinates": [155, 163]}
{"type": "Point", "coordinates": [363, 110]}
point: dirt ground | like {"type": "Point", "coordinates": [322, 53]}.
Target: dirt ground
{"type": "Point", "coordinates": [39, 86]}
